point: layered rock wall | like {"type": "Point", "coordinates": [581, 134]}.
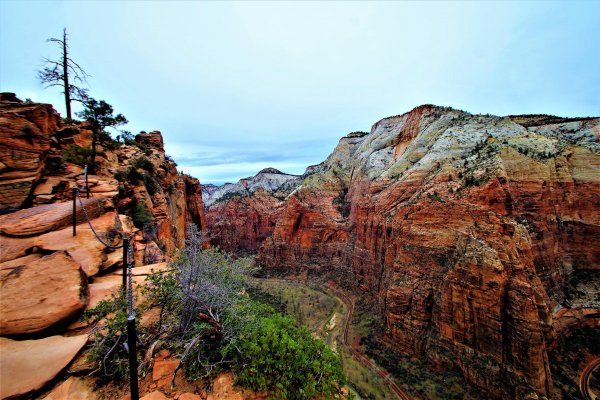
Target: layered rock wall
{"type": "Point", "coordinates": [26, 130]}
{"type": "Point", "coordinates": [464, 231]}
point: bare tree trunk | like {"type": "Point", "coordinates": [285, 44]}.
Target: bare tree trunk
{"type": "Point", "coordinates": [65, 65]}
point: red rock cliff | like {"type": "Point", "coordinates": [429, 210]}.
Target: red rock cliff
{"type": "Point", "coordinates": [463, 229]}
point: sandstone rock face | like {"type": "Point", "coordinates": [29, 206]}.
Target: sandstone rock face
{"type": "Point", "coordinates": [47, 357]}
{"type": "Point", "coordinates": [242, 215]}
{"type": "Point", "coordinates": [40, 294]}
{"type": "Point", "coordinates": [156, 395]}
{"type": "Point", "coordinates": [47, 275]}
{"type": "Point", "coordinates": [25, 134]}
{"type": "Point", "coordinates": [37, 220]}
{"type": "Point", "coordinates": [463, 229]}
{"type": "Point", "coordinates": [84, 248]}
{"type": "Point", "coordinates": [241, 225]}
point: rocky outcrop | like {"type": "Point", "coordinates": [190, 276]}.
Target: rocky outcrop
{"type": "Point", "coordinates": [25, 135]}
{"type": "Point", "coordinates": [47, 357]}
{"type": "Point", "coordinates": [161, 200]}
{"type": "Point", "coordinates": [48, 275]}
{"type": "Point", "coordinates": [462, 230]}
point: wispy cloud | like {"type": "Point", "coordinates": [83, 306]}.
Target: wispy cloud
{"type": "Point", "coordinates": [239, 86]}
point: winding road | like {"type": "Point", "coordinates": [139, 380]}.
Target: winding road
{"type": "Point", "coordinates": [366, 361]}
{"type": "Point", "coordinates": [360, 357]}
{"type": "Point", "coordinates": [584, 379]}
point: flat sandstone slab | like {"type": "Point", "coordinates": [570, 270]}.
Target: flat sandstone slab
{"type": "Point", "coordinates": [28, 365]}
{"type": "Point", "coordinates": [48, 217]}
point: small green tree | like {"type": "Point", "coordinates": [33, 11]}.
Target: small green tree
{"type": "Point", "coordinates": [100, 116]}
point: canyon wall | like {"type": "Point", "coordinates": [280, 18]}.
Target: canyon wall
{"type": "Point", "coordinates": [243, 214]}
{"type": "Point", "coordinates": [464, 230]}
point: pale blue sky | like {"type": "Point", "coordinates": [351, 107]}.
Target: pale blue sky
{"type": "Point", "coordinates": [239, 86]}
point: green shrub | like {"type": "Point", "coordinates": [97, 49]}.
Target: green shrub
{"type": "Point", "coordinates": [283, 358]}
{"type": "Point", "coordinates": [143, 163]}
{"type": "Point", "coordinates": [134, 176]}
{"type": "Point", "coordinates": [119, 176]}
{"type": "Point", "coordinates": [141, 216]}
{"type": "Point", "coordinates": [77, 155]}
{"type": "Point", "coordinates": [151, 184]}
{"type": "Point", "coordinates": [107, 348]}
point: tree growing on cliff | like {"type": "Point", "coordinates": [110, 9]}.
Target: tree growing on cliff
{"type": "Point", "coordinates": [63, 72]}
{"type": "Point", "coordinates": [100, 116]}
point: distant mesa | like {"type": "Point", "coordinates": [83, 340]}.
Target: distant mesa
{"type": "Point", "coordinates": [269, 179]}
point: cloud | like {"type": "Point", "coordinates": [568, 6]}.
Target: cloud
{"type": "Point", "coordinates": [238, 86]}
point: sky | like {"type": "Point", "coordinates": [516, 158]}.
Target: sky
{"type": "Point", "coordinates": [236, 87]}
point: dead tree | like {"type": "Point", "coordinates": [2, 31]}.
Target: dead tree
{"type": "Point", "coordinates": [63, 72]}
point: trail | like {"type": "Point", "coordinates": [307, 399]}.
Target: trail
{"type": "Point", "coordinates": [360, 357]}
{"type": "Point", "coordinates": [366, 361]}
{"type": "Point", "coordinates": [584, 379]}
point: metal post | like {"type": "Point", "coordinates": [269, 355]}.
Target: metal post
{"type": "Point", "coordinates": [125, 262]}
{"type": "Point", "coordinates": [85, 178]}
{"type": "Point", "coordinates": [131, 343]}
{"type": "Point", "coordinates": [74, 211]}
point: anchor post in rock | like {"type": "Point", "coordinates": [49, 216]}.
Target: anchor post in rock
{"type": "Point", "coordinates": [74, 211]}
{"type": "Point", "coordinates": [125, 263]}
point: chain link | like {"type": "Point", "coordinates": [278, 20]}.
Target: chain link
{"type": "Point", "coordinates": [85, 179]}
{"type": "Point", "coordinates": [130, 279]}
{"type": "Point", "coordinates": [87, 218]}
{"type": "Point", "coordinates": [130, 260]}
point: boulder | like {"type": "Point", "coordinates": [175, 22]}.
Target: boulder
{"type": "Point", "coordinates": [223, 388]}
{"type": "Point", "coordinates": [103, 290]}
{"type": "Point", "coordinates": [28, 365]}
{"type": "Point", "coordinates": [40, 294]}
{"type": "Point", "coordinates": [162, 372]}
{"type": "Point", "coordinates": [189, 396]}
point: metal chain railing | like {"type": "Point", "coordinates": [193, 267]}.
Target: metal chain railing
{"type": "Point", "coordinates": [87, 218]}
{"type": "Point", "coordinates": [128, 262]}
{"type": "Point", "coordinates": [130, 280]}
